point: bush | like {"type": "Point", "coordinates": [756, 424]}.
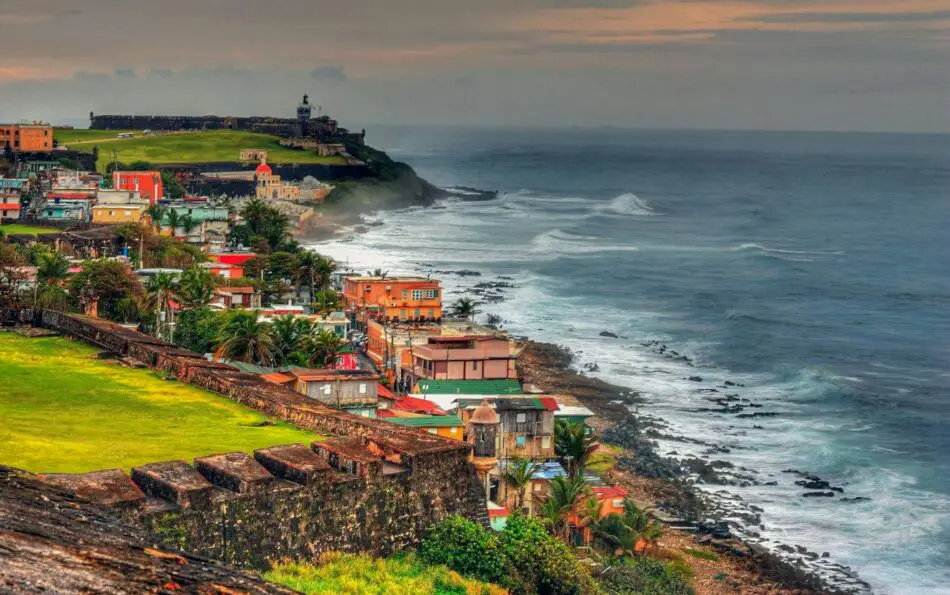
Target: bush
{"type": "Point", "coordinates": [524, 558]}
{"type": "Point", "coordinates": [464, 547]}
{"type": "Point", "coordinates": [702, 554]}
{"type": "Point", "coordinates": [197, 329]}
{"type": "Point", "coordinates": [645, 576]}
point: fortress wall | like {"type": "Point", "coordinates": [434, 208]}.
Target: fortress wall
{"type": "Point", "coordinates": [371, 487]}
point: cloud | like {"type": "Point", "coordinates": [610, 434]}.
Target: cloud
{"type": "Point", "coordinates": [124, 73]}
{"type": "Point", "coordinates": [329, 73]}
{"type": "Point", "coordinates": [849, 17]}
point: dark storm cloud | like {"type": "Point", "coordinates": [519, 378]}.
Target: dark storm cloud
{"type": "Point", "coordinates": [328, 73]}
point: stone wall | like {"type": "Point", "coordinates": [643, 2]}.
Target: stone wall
{"type": "Point", "coordinates": [371, 486]}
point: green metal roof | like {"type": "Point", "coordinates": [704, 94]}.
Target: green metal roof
{"type": "Point", "coordinates": [427, 421]}
{"type": "Point", "coordinates": [468, 387]}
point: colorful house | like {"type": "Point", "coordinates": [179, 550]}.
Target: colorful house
{"type": "Point", "coordinates": [351, 390]}
{"type": "Point", "coordinates": [394, 298]}
{"type": "Point", "coordinates": [447, 426]}
{"type": "Point", "coordinates": [9, 208]}
{"type": "Point", "coordinates": [27, 138]}
{"type": "Point", "coordinates": [465, 358]}
{"type": "Point", "coordinates": [66, 210]}
{"type": "Point", "coordinates": [537, 490]}
{"type": "Point", "coordinates": [147, 183]}
{"type": "Point", "coordinates": [527, 424]}
{"type": "Point", "coordinates": [115, 214]}
{"type": "Point", "coordinates": [610, 498]}
{"type": "Point", "coordinates": [237, 297]}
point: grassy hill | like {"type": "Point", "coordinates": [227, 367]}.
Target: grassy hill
{"type": "Point", "coordinates": [185, 147]}
{"type": "Point", "coordinates": [66, 411]}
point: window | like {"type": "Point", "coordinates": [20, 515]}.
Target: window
{"type": "Point", "coordinates": [402, 313]}
{"type": "Point", "coordinates": [536, 486]}
{"type": "Point", "coordinates": [474, 365]}
{"type": "Point", "coordinates": [110, 213]}
{"type": "Point", "coordinates": [405, 294]}
{"type": "Point", "coordinates": [433, 431]}
{"type": "Point", "coordinates": [418, 312]}
{"type": "Point", "coordinates": [431, 313]}
{"type": "Point", "coordinates": [545, 442]}
{"type": "Point", "coordinates": [416, 294]}
{"type": "Point", "coordinates": [617, 503]}
{"type": "Point", "coordinates": [520, 441]}
{"type": "Point", "coordinates": [454, 430]}
{"type": "Point", "coordinates": [362, 388]}
{"type": "Point", "coordinates": [431, 293]}
{"type": "Point", "coordinates": [521, 418]}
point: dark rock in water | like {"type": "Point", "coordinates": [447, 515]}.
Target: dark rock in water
{"type": "Point", "coordinates": [729, 383]}
{"type": "Point", "coordinates": [608, 334]}
{"type": "Point", "coordinates": [857, 499]}
{"type": "Point", "coordinates": [758, 427]}
{"type": "Point", "coordinates": [695, 378]}
{"type": "Point", "coordinates": [786, 548]}
{"type": "Point", "coordinates": [825, 555]}
{"type": "Point", "coordinates": [816, 484]}
{"type": "Point", "coordinates": [759, 414]}
{"type": "Point", "coordinates": [592, 367]}
{"type": "Point", "coordinates": [770, 483]}
{"type": "Point", "coordinates": [818, 495]}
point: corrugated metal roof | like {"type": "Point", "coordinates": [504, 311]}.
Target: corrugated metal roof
{"type": "Point", "coordinates": [468, 387]}
{"type": "Point", "coordinates": [428, 421]}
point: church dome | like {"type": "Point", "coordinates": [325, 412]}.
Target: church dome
{"type": "Point", "coordinates": [484, 415]}
{"type": "Point", "coordinates": [263, 168]}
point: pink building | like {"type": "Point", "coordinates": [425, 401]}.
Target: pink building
{"type": "Point", "coordinates": [464, 358]}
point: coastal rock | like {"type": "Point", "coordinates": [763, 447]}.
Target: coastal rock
{"type": "Point", "coordinates": [818, 495]}
{"type": "Point", "coordinates": [695, 378]}
{"type": "Point", "coordinates": [856, 499]}
{"type": "Point", "coordinates": [608, 334]}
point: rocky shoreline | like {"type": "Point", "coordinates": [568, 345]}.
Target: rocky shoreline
{"type": "Point", "coordinates": [665, 484]}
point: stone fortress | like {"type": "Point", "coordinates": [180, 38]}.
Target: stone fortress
{"type": "Point", "coordinates": [302, 130]}
{"type": "Point", "coordinates": [371, 486]}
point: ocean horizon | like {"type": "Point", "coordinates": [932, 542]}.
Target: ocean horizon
{"type": "Point", "coordinates": [781, 302]}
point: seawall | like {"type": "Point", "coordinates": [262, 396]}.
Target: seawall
{"type": "Point", "coordinates": [371, 487]}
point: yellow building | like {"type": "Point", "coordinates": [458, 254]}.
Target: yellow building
{"type": "Point", "coordinates": [111, 214]}
{"type": "Point", "coordinates": [270, 186]}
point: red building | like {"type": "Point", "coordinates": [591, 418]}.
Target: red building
{"type": "Point", "coordinates": [147, 183]}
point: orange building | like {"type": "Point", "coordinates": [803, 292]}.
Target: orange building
{"type": "Point", "coordinates": [111, 214]}
{"type": "Point", "coordinates": [146, 183]}
{"type": "Point", "coordinates": [611, 500]}
{"type": "Point", "coordinates": [394, 298]}
{"type": "Point", "coordinates": [464, 358]}
{"type": "Point", "coordinates": [27, 137]}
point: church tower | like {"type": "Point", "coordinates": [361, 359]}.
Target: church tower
{"type": "Point", "coordinates": [304, 113]}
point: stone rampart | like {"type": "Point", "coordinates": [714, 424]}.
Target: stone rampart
{"type": "Point", "coordinates": [370, 486]}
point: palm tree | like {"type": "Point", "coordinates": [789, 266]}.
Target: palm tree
{"type": "Point", "coordinates": [574, 446]}
{"type": "Point", "coordinates": [517, 476]}
{"type": "Point", "coordinates": [155, 213]}
{"type": "Point", "coordinates": [172, 219]}
{"type": "Point", "coordinates": [160, 290]}
{"type": "Point", "coordinates": [648, 529]}
{"type": "Point", "coordinates": [324, 345]}
{"type": "Point", "coordinates": [326, 301]}
{"type": "Point", "coordinates": [52, 269]}
{"type": "Point", "coordinates": [465, 308]}
{"type": "Point", "coordinates": [196, 287]}
{"type": "Point", "coordinates": [308, 266]}
{"type": "Point", "coordinates": [187, 224]}
{"type": "Point", "coordinates": [325, 268]}
{"type": "Point", "coordinates": [290, 333]}
{"type": "Point", "coordinates": [562, 500]}
{"type": "Point", "coordinates": [246, 338]}
{"type": "Point", "coordinates": [631, 533]}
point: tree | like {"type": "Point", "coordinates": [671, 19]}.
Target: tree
{"type": "Point", "coordinates": [323, 347]}
{"type": "Point", "coordinates": [196, 287]}
{"type": "Point", "coordinates": [326, 301]}
{"type": "Point", "coordinates": [161, 290]}
{"type": "Point", "coordinates": [52, 269]}
{"type": "Point", "coordinates": [628, 534]}
{"type": "Point", "coordinates": [155, 214]}
{"type": "Point", "coordinates": [307, 270]}
{"type": "Point", "coordinates": [12, 275]}
{"type": "Point", "coordinates": [464, 309]}
{"type": "Point", "coordinates": [197, 329]}
{"type": "Point", "coordinates": [246, 338]}
{"type": "Point", "coordinates": [187, 224]}
{"type": "Point", "coordinates": [172, 219]}
{"type": "Point", "coordinates": [290, 336]}
{"type": "Point", "coordinates": [111, 282]}
{"type": "Point", "coordinates": [517, 476]}
{"type": "Point", "coordinates": [562, 500]}
{"type": "Point", "coordinates": [574, 446]}
{"type": "Point", "coordinates": [260, 221]}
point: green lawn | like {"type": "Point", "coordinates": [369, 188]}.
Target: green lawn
{"type": "Point", "coordinates": [66, 136]}
{"type": "Point", "coordinates": [65, 411]}
{"type": "Point", "coordinates": [214, 145]}
{"type": "Point", "coordinates": [12, 228]}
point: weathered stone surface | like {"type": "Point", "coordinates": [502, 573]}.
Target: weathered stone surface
{"type": "Point", "coordinates": [54, 542]}
{"type": "Point", "coordinates": [235, 471]}
{"type": "Point", "coordinates": [176, 481]}
{"type": "Point", "coordinates": [111, 487]}
{"type": "Point", "coordinates": [293, 462]}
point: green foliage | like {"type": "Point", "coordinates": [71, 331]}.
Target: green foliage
{"type": "Point", "coordinates": [517, 475]}
{"type": "Point", "coordinates": [172, 186]}
{"type": "Point", "coordinates": [198, 329]}
{"type": "Point", "coordinates": [721, 577]}
{"type": "Point", "coordinates": [196, 287]}
{"type": "Point", "coordinates": [464, 547]}
{"type": "Point", "coordinates": [573, 446]}
{"type": "Point", "coordinates": [645, 576]}
{"type": "Point", "coordinates": [112, 282]}
{"type": "Point", "coordinates": [361, 574]}
{"type": "Point", "coordinates": [702, 554]}
{"type": "Point", "coordinates": [244, 337]}
{"type": "Point", "coordinates": [465, 308]}
{"type": "Point", "coordinates": [619, 534]}
{"type": "Point", "coordinates": [264, 227]}
{"type": "Point", "coordinates": [523, 558]}
{"type": "Point", "coordinates": [564, 496]}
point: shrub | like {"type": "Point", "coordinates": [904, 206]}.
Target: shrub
{"type": "Point", "coordinates": [646, 576]}
{"type": "Point", "coordinates": [702, 554]}
{"type": "Point", "coordinates": [465, 547]}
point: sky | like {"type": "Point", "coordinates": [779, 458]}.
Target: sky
{"type": "Point", "coordinates": [865, 65]}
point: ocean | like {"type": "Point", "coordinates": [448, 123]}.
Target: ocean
{"type": "Point", "coordinates": [803, 277]}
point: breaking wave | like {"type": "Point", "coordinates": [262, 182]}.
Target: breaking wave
{"type": "Point", "coordinates": [628, 204]}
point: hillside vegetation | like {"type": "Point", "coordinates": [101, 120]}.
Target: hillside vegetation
{"type": "Point", "coordinates": [184, 147]}
{"type": "Point", "coordinates": [349, 574]}
{"type": "Point", "coordinates": [66, 411]}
